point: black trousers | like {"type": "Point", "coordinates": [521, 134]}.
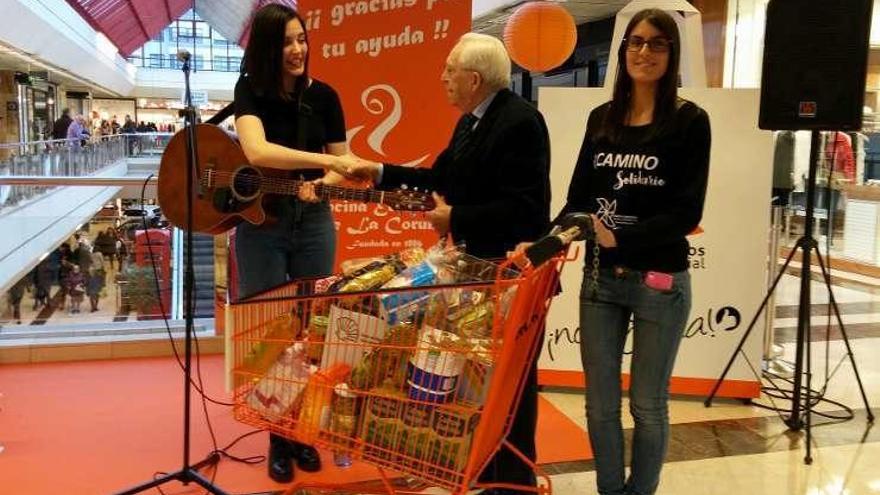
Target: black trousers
{"type": "Point", "coordinates": [506, 467]}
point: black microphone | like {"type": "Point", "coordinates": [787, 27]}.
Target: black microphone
{"type": "Point", "coordinates": [183, 55]}
{"type": "Point", "coordinates": [572, 227]}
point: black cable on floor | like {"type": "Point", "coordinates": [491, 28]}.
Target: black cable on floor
{"type": "Point", "coordinates": [162, 306]}
{"type": "Point", "coordinates": [776, 392]}
{"type": "Point", "coordinates": [213, 458]}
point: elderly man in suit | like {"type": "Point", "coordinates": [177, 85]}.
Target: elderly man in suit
{"type": "Point", "coordinates": [492, 187]}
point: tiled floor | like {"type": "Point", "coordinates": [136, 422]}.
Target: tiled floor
{"type": "Point", "coordinates": [736, 448]}
{"type": "Point", "coordinates": [843, 470]}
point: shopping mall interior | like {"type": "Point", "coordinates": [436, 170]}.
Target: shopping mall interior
{"type": "Point", "coordinates": [94, 319]}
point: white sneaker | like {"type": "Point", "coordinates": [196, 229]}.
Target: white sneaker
{"type": "Point", "coordinates": [781, 368]}
{"type": "Point", "coordinates": [776, 351]}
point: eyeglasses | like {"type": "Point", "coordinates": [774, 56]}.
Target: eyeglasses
{"type": "Point", "coordinates": [655, 45]}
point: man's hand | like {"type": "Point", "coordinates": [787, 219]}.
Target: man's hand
{"type": "Point", "coordinates": [604, 235]}
{"type": "Point", "coordinates": [440, 215]}
{"type": "Point", "coordinates": [352, 167]}
{"type": "Point", "coordinates": [519, 249]}
{"type": "Point", "coordinates": [364, 170]}
{"type": "Point", "coordinates": [518, 255]}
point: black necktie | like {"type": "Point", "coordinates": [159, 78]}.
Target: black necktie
{"type": "Point", "coordinates": [463, 132]}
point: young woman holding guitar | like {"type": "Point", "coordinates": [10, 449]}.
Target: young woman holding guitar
{"type": "Point", "coordinates": [289, 160]}
{"type": "Point", "coordinates": [287, 120]}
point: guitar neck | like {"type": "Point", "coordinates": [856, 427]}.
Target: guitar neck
{"type": "Point", "coordinates": [323, 191]}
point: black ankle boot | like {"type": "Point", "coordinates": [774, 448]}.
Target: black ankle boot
{"type": "Point", "coordinates": [307, 457]}
{"type": "Point", "coordinates": [280, 462]}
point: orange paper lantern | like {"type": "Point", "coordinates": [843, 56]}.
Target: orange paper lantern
{"type": "Point", "coordinates": [540, 36]}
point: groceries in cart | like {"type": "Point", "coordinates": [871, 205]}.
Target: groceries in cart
{"type": "Point", "coordinates": [391, 358]}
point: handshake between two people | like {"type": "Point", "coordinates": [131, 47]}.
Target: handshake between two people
{"type": "Point", "coordinates": [350, 167]}
{"type": "Point", "coordinates": [340, 168]}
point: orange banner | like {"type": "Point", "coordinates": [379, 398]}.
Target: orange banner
{"type": "Point", "coordinates": [384, 58]}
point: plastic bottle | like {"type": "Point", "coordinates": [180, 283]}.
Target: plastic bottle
{"type": "Point", "coordinates": [317, 335]}
{"type": "Point", "coordinates": [343, 421]}
{"type": "Point", "coordinates": [314, 414]}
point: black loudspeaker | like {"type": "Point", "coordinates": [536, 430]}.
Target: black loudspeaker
{"type": "Point", "coordinates": [815, 64]}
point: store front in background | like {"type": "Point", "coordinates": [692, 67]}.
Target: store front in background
{"type": "Point", "coordinates": [35, 104]}
{"type": "Point", "coordinates": [165, 112]}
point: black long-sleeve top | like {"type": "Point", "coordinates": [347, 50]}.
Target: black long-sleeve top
{"type": "Point", "coordinates": [648, 187]}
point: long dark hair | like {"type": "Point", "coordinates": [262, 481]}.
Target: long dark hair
{"type": "Point", "coordinates": [667, 87]}
{"type": "Point", "coordinates": [263, 61]}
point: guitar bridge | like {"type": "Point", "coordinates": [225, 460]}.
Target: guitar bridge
{"type": "Point", "coordinates": [209, 179]}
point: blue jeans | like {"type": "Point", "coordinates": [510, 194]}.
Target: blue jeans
{"type": "Point", "coordinates": [659, 319]}
{"type": "Point", "coordinates": [300, 243]}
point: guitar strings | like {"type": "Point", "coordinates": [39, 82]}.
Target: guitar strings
{"type": "Point", "coordinates": [290, 185]}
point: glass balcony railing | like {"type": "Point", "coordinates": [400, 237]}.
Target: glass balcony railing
{"type": "Point", "coordinates": [150, 144]}
{"type": "Point", "coordinates": [55, 158]}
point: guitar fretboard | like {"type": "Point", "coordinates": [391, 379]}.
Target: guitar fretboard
{"type": "Point", "coordinates": [398, 200]}
{"type": "Point", "coordinates": [323, 191]}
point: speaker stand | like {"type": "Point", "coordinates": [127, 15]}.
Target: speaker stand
{"type": "Point", "coordinates": [800, 416]}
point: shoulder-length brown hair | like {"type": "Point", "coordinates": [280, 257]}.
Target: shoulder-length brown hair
{"type": "Point", "coordinates": [263, 58]}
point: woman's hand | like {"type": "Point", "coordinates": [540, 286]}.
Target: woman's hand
{"type": "Point", "coordinates": [604, 235]}
{"type": "Point", "coordinates": [307, 193]}
{"type": "Point", "coordinates": [342, 165]}
{"type": "Point", "coordinates": [331, 179]}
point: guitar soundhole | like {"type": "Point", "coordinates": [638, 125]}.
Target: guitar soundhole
{"type": "Point", "coordinates": [246, 183]}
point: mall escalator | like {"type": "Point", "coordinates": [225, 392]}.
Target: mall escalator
{"type": "Point", "coordinates": [203, 266]}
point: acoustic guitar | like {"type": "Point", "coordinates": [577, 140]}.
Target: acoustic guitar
{"type": "Point", "coordinates": [228, 189]}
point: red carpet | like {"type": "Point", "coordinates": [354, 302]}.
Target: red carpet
{"type": "Point", "coordinates": [102, 426]}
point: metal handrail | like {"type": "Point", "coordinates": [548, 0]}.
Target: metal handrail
{"type": "Point", "coordinates": [38, 180]}
{"type": "Point", "coordinates": [92, 139]}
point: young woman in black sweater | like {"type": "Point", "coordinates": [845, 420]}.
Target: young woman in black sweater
{"type": "Point", "coordinates": [642, 173]}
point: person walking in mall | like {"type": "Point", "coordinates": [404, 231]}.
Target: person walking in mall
{"type": "Point", "coordinates": [288, 120]}
{"type": "Point", "coordinates": [78, 131]}
{"type": "Point", "coordinates": [641, 215]}
{"type": "Point", "coordinates": [15, 295]}
{"type": "Point", "coordinates": [59, 128]}
{"type": "Point", "coordinates": [43, 278]}
{"type": "Point", "coordinates": [121, 250]}
{"type": "Point", "coordinates": [82, 254]}
{"type": "Point", "coordinates": [76, 288]}
{"type": "Point", "coordinates": [492, 186]}
{"type": "Point", "coordinates": [129, 128]}
{"type": "Point", "coordinates": [65, 266]}
{"type": "Point", "coordinates": [94, 285]}
{"type": "Point", "coordinates": [105, 243]}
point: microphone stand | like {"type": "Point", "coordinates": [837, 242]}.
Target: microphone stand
{"type": "Point", "coordinates": [188, 473]}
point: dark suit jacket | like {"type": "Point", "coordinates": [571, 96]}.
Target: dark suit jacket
{"type": "Point", "coordinates": [499, 188]}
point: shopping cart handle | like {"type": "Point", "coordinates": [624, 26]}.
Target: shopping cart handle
{"type": "Point", "coordinates": [572, 227]}
{"type": "Point", "coordinates": [544, 249]}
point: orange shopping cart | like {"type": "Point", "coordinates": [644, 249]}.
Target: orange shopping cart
{"type": "Point", "coordinates": [418, 380]}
